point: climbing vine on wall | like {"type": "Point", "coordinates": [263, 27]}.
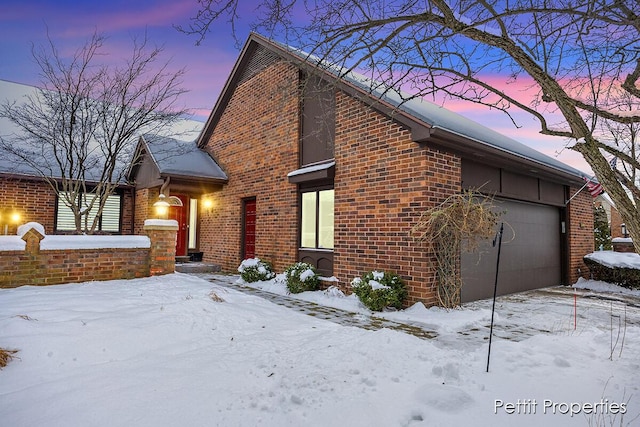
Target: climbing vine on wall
{"type": "Point", "coordinates": [458, 224]}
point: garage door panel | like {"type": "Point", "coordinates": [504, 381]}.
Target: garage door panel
{"type": "Point", "coordinates": [530, 256]}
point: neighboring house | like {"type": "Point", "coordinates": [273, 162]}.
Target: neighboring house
{"type": "Point", "coordinates": [613, 216]}
{"type": "Point", "coordinates": [321, 170]}
{"type": "Point", "coordinates": [25, 194]}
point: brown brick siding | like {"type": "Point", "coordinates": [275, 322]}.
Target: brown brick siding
{"type": "Point", "coordinates": [581, 240]}
{"type": "Point", "coordinates": [52, 267]}
{"type": "Point", "coordinates": [616, 223]}
{"type": "Point", "coordinates": [33, 199]}
{"type": "Point", "coordinates": [127, 224]}
{"type": "Point", "coordinates": [383, 183]}
{"type": "Point", "coordinates": [256, 144]}
{"type": "Point", "coordinates": [143, 208]}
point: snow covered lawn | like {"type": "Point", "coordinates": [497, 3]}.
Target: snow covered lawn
{"type": "Point", "coordinates": [161, 351]}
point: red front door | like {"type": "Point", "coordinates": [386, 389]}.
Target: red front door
{"type": "Point", "coordinates": [180, 214]}
{"type": "Point", "coordinates": [249, 232]}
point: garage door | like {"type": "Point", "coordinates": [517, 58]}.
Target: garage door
{"type": "Point", "coordinates": [530, 256]}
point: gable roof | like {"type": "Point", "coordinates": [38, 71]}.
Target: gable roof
{"type": "Point", "coordinates": [429, 123]}
{"type": "Point", "coordinates": [172, 156]}
{"type": "Point", "coordinates": [180, 159]}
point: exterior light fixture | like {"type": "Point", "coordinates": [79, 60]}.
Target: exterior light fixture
{"type": "Point", "coordinates": [7, 218]}
{"type": "Point", "coordinates": [623, 228]}
{"type": "Point", "coordinates": [161, 207]}
{"type": "Point", "coordinates": [207, 204]}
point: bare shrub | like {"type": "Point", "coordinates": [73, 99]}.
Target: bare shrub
{"type": "Point", "coordinates": [461, 222]}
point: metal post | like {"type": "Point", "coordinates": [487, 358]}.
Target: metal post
{"type": "Point", "coordinates": [495, 289]}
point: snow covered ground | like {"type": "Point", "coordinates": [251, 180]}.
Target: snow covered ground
{"type": "Point", "coordinates": [165, 351]}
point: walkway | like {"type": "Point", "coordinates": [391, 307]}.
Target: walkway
{"type": "Point", "coordinates": [342, 317]}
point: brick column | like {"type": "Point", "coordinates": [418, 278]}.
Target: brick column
{"type": "Point", "coordinates": [162, 254]}
{"type": "Point", "coordinates": [32, 239]}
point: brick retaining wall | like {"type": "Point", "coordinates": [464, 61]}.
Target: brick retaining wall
{"type": "Point", "coordinates": [36, 266]}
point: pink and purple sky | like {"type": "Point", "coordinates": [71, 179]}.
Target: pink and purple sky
{"type": "Point", "coordinates": [70, 23]}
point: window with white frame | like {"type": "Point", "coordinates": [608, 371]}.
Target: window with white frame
{"type": "Point", "coordinates": [317, 222]}
{"type": "Point", "coordinates": [109, 221]}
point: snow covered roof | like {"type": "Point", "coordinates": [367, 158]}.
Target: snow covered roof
{"type": "Point", "coordinates": [428, 122]}
{"type": "Point", "coordinates": [190, 159]}
{"type": "Point", "coordinates": [438, 117]}
{"type": "Point", "coordinates": [175, 157]}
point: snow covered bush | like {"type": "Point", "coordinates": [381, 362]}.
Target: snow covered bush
{"type": "Point", "coordinates": [254, 270]}
{"type": "Point", "coordinates": [626, 274]}
{"type": "Point", "coordinates": [378, 290]}
{"type": "Point", "coordinates": [301, 277]}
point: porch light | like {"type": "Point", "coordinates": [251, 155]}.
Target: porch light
{"type": "Point", "coordinates": [10, 218]}
{"type": "Point", "coordinates": [161, 207]}
{"type": "Point", "coordinates": [207, 204]}
{"type": "Point", "coordinates": [623, 227]}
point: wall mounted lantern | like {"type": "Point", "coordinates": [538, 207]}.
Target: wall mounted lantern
{"type": "Point", "coordinates": [623, 227]}
{"type": "Point", "coordinates": [7, 218]}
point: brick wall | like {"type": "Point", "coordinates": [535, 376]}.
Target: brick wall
{"type": "Point", "coordinates": [34, 266]}
{"type": "Point", "coordinates": [383, 183]}
{"type": "Point", "coordinates": [580, 226]}
{"type": "Point", "coordinates": [128, 200]}
{"type": "Point", "coordinates": [33, 199]}
{"type": "Point", "coordinates": [616, 223]}
{"type": "Point", "coordinates": [256, 144]}
{"type": "Point", "coordinates": [143, 207]}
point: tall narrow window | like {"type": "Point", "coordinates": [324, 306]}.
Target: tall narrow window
{"type": "Point", "coordinates": [325, 219]}
{"type": "Point", "coordinates": [193, 223]}
{"type": "Point", "coordinates": [317, 224]}
{"type": "Point", "coordinates": [308, 226]}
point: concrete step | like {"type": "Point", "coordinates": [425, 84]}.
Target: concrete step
{"type": "Point", "coordinates": [197, 267]}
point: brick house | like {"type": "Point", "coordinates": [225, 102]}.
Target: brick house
{"type": "Point", "coordinates": [323, 171]}
{"type": "Point", "coordinates": [295, 164]}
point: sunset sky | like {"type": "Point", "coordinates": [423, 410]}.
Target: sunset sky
{"type": "Point", "coordinates": [70, 23]}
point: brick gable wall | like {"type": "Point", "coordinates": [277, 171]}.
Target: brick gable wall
{"type": "Point", "coordinates": [256, 144]}
{"type": "Point", "coordinates": [383, 183]}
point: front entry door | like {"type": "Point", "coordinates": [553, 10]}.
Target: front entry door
{"type": "Point", "coordinates": [180, 214]}
{"type": "Point", "coordinates": [249, 229]}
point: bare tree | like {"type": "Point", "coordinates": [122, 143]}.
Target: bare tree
{"type": "Point", "coordinates": [576, 56]}
{"type": "Point", "coordinates": [79, 130]}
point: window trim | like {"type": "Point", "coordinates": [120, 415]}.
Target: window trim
{"type": "Point", "coordinates": [317, 191]}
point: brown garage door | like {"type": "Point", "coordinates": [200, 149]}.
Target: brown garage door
{"type": "Point", "coordinates": [530, 256]}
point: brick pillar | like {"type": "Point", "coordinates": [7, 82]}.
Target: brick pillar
{"type": "Point", "coordinates": [32, 239]}
{"type": "Point", "coordinates": [162, 254]}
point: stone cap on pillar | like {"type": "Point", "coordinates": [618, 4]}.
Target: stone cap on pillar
{"type": "Point", "coordinates": [161, 224]}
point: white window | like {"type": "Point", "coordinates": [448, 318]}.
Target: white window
{"type": "Point", "coordinates": [109, 221]}
{"type": "Point", "coordinates": [317, 223]}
